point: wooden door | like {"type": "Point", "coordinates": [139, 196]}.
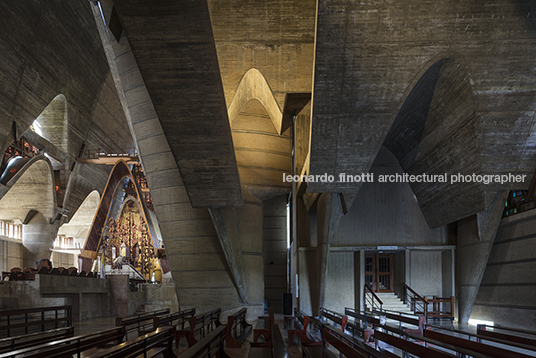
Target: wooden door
{"type": "Point", "coordinates": [384, 272]}
{"type": "Point", "coordinates": [379, 272]}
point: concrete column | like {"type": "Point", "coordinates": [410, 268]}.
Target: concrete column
{"type": "Point", "coordinates": [359, 278]}
{"type": "Point", "coordinates": [472, 252]}
{"type": "Point", "coordinates": [37, 239]}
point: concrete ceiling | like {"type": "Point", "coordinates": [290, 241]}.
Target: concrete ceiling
{"type": "Point", "coordinates": [370, 61]}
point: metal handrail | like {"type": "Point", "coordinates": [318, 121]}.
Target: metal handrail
{"type": "Point", "coordinates": [414, 299]}
{"type": "Point", "coordinates": [373, 299]}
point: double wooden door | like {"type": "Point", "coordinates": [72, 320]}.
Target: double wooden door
{"type": "Point", "coordinates": [379, 272]}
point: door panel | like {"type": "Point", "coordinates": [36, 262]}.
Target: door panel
{"type": "Point", "coordinates": [379, 272]}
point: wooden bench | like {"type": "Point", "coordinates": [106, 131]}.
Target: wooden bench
{"type": "Point", "coordinates": [153, 344]}
{"type": "Point", "coordinates": [177, 319]}
{"type": "Point", "coordinates": [296, 326]}
{"type": "Point", "coordinates": [34, 339]}
{"type": "Point", "coordinates": [142, 323]}
{"type": "Point", "coordinates": [209, 346]}
{"type": "Point", "coordinates": [475, 346]}
{"type": "Point", "coordinates": [203, 323]}
{"type": "Point", "coordinates": [263, 327]}
{"type": "Point", "coordinates": [328, 316]}
{"type": "Point", "coordinates": [69, 346]}
{"type": "Point", "coordinates": [511, 335]}
{"type": "Point", "coordinates": [29, 320]}
{"type": "Point", "coordinates": [275, 348]}
{"type": "Point", "coordinates": [237, 329]}
{"type": "Point", "coordinates": [363, 324]}
{"type": "Point", "coordinates": [342, 342]}
{"type": "Point", "coordinates": [422, 345]}
{"type": "Point", "coordinates": [410, 347]}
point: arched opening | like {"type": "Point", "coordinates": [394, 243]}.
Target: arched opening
{"type": "Point", "coordinates": [262, 155]}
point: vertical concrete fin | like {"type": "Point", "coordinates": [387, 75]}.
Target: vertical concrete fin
{"type": "Point", "coordinates": [226, 224]}
{"type": "Point", "coordinates": [475, 240]}
{"type": "Point", "coordinates": [331, 209]}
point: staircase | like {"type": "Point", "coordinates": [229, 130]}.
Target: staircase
{"type": "Point", "coordinates": [391, 302]}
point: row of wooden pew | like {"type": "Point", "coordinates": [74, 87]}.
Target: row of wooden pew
{"type": "Point", "coordinates": [366, 334]}
{"type": "Point", "coordinates": [149, 334]}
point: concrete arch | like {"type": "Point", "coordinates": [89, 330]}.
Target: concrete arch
{"type": "Point", "coordinates": [80, 222]}
{"type": "Point", "coordinates": [31, 187]}
{"type": "Point", "coordinates": [436, 131]}
{"type": "Point", "coordinates": [253, 85]}
{"type": "Point", "coordinates": [119, 172]}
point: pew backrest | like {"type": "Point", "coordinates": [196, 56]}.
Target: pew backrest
{"type": "Point", "coordinates": [212, 342]}
{"type": "Point", "coordinates": [151, 344]}
{"type": "Point", "coordinates": [73, 345]}
{"type": "Point", "coordinates": [335, 317]}
{"type": "Point", "coordinates": [34, 339]}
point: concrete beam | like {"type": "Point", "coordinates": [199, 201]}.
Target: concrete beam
{"type": "Point", "coordinates": [226, 225]}
{"type": "Point", "coordinates": [184, 87]}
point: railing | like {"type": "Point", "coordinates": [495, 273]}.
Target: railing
{"type": "Point", "coordinates": [442, 307]}
{"type": "Point", "coordinates": [28, 320]}
{"type": "Point", "coordinates": [95, 153]}
{"type": "Point", "coordinates": [418, 304]}
{"type": "Point", "coordinates": [372, 300]}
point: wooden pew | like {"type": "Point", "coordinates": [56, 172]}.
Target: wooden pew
{"type": "Point", "coordinates": [28, 320]}
{"type": "Point", "coordinates": [344, 343]}
{"type": "Point", "coordinates": [142, 323]}
{"type": "Point", "coordinates": [153, 344]}
{"type": "Point", "coordinates": [363, 323]}
{"type": "Point", "coordinates": [296, 326]}
{"type": "Point", "coordinates": [478, 347]}
{"type": "Point", "coordinates": [237, 329]}
{"type": "Point", "coordinates": [177, 319]}
{"type": "Point", "coordinates": [410, 347]}
{"type": "Point", "coordinates": [410, 343]}
{"type": "Point", "coordinates": [203, 323]}
{"type": "Point", "coordinates": [275, 348]}
{"type": "Point", "coordinates": [69, 346]}
{"type": "Point", "coordinates": [511, 335]}
{"type": "Point", "coordinates": [326, 316]}
{"type": "Point", "coordinates": [263, 327]}
{"type": "Point", "coordinates": [209, 346]}
{"type": "Point", "coordinates": [34, 339]}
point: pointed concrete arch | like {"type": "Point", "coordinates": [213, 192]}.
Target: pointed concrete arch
{"type": "Point", "coordinates": [80, 223]}
{"type": "Point", "coordinates": [253, 85]}
{"type": "Point", "coordinates": [91, 247]}
{"type": "Point", "coordinates": [436, 131]}
{"type": "Point", "coordinates": [29, 187]}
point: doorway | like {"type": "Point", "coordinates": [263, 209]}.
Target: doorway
{"type": "Point", "coordinates": [379, 272]}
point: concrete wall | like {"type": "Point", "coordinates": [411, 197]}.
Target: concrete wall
{"type": "Point", "coordinates": [340, 292]}
{"type": "Point", "coordinates": [89, 296]}
{"type": "Point", "coordinates": [387, 213]}
{"type": "Point", "coordinates": [62, 259]}
{"type": "Point", "coordinates": [506, 294]}
{"type": "Point", "coordinates": [275, 251]}
{"type": "Point", "coordinates": [425, 272]}
{"type": "Point", "coordinates": [10, 254]}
